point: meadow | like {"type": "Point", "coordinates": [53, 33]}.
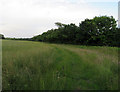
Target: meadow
{"type": "Point", "coordinates": [28, 65]}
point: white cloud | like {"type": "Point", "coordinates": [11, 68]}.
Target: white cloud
{"type": "Point", "coordinates": [26, 18]}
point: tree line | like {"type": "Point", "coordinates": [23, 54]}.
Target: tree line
{"type": "Point", "coordinates": [27, 39]}
{"type": "Point", "coordinates": [99, 31]}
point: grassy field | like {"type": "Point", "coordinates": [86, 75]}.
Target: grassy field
{"type": "Point", "coordinates": [41, 66]}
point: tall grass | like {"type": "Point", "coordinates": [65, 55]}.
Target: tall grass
{"type": "Point", "coordinates": [40, 66]}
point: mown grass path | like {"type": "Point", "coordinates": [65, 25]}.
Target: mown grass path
{"type": "Point", "coordinates": [90, 69]}
{"type": "Point", "coordinates": [42, 66]}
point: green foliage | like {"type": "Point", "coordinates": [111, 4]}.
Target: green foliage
{"type": "Point", "coordinates": [60, 25]}
{"type": "Point", "coordinates": [100, 31]}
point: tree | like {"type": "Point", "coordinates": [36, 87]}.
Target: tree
{"type": "Point", "coordinates": [60, 25]}
{"type": "Point", "coordinates": [100, 31]}
{"type": "Point", "coordinates": [106, 28]}
{"type": "Point", "coordinates": [2, 36]}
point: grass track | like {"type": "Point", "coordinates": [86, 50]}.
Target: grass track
{"type": "Point", "coordinates": [42, 66]}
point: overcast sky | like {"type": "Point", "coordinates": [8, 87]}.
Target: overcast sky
{"type": "Point", "coordinates": [27, 18]}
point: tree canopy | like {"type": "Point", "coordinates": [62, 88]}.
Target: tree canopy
{"type": "Point", "coordinates": [100, 31]}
